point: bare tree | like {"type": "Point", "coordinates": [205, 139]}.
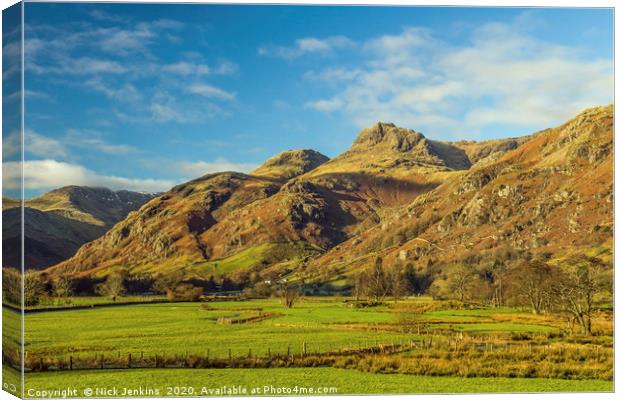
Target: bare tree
{"type": "Point", "coordinates": [113, 287]}
{"type": "Point", "coordinates": [168, 284]}
{"type": "Point", "coordinates": [532, 282]}
{"type": "Point", "coordinates": [34, 288]}
{"type": "Point", "coordinates": [62, 289]}
{"type": "Point", "coordinates": [580, 280]}
{"type": "Point", "coordinates": [378, 281]}
{"type": "Point", "coordinates": [460, 280]}
{"type": "Point", "coordinates": [397, 281]}
{"type": "Point", "coordinates": [361, 285]}
{"type": "Point", "coordinates": [289, 294]}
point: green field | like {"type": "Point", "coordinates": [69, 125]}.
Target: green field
{"type": "Point", "coordinates": [344, 381]}
{"type": "Point", "coordinates": [325, 325]}
{"type": "Point", "coordinates": [176, 328]}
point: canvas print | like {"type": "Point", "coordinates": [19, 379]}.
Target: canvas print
{"type": "Point", "coordinates": [270, 200]}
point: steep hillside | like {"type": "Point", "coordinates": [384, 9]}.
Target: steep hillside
{"type": "Point", "coordinates": [169, 232]}
{"type": "Point", "coordinates": [57, 223]}
{"type": "Point", "coordinates": [298, 204]}
{"type": "Point", "coordinates": [552, 194]}
{"type": "Point", "coordinates": [394, 193]}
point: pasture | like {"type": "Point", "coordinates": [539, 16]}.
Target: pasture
{"type": "Point", "coordinates": [344, 380]}
{"type": "Point", "coordinates": [444, 349]}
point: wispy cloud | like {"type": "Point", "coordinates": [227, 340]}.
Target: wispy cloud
{"type": "Point", "coordinates": [333, 74]}
{"type": "Point", "coordinates": [41, 146]}
{"type": "Point", "coordinates": [329, 105]}
{"type": "Point", "coordinates": [307, 45]}
{"type": "Point", "coordinates": [35, 144]}
{"type": "Point", "coordinates": [199, 168]}
{"type": "Point", "coordinates": [125, 92]}
{"type": "Point", "coordinates": [79, 66]}
{"type": "Point", "coordinates": [503, 76]}
{"type": "Point", "coordinates": [124, 60]}
{"type": "Point", "coordinates": [186, 68]}
{"type": "Point", "coordinates": [93, 140]}
{"type": "Point", "coordinates": [48, 174]}
{"type": "Point", "coordinates": [210, 91]}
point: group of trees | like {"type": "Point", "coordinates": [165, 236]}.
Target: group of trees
{"type": "Point", "coordinates": [378, 282]}
{"type": "Point", "coordinates": [571, 287]}
{"type": "Point", "coordinates": [35, 288]}
{"type": "Point", "coordinates": [39, 288]}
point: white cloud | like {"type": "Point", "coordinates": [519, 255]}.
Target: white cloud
{"type": "Point", "coordinates": [11, 145]}
{"type": "Point", "coordinates": [226, 68]}
{"type": "Point", "coordinates": [326, 105]}
{"type": "Point", "coordinates": [101, 15]}
{"type": "Point", "coordinates": [333, 75]}
{"type": "Point", "coordinates": [206, 90]}
{"type": "Point", "coordinates": [42, 146]}
{"type": "Point", "coordinates": [125, 92]}
{"type": "Point", "coordinates": [36, 145]}
{"type": "Point", "coordinates": [124, 67]}
{"type": "Point", "coordinates": [93, 140]}
{"type": "Point", "coordinates": [78, 66]}
{"type": "Point", "coordinates": [502, 76]}
{"type": "Point", "coordinates": [194, 66]}
{"type": "Point", "coordinates": [199, 168]}
{"type": "Point", "coordinates": [49, 174]}
{"type": "Point", "coordinates": [186, 68]}
{"type": "Point", "coordinates": [307, 45]}
{"type": "Point", "coordinates": [164, 107]}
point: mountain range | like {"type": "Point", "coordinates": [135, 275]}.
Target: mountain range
{"type": "Point", "coordinates": [394, 193]}
{"type": "Point", "coordinates": [57, 223]}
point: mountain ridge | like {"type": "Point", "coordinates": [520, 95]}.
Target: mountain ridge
{"type": "Point", "coordinates": [58, 222]}
{"type": "Point", "coordinates": [324, 212]}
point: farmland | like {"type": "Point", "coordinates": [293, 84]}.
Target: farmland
{"type": "Point", "coordinates": [445, 349]}
{"type": "Point", "coordinates": [345, 381]}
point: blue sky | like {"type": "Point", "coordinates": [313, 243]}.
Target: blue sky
{"type": "Point", "coordinates": [145, 96]}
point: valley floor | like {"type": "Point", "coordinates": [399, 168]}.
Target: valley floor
{"type": "Point", "coordinates": [322, 342]}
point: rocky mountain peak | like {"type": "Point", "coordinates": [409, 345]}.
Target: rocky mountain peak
{"type": "Point", "coordinates": [397, 139]}
{"type": "Point", "coordinates": [291, 163]}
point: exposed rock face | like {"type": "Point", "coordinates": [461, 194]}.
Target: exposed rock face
{"type": "Point", "coordinates": [409, 147]}
{"type": "Point", "coordinates": [550, 194]}
{"type": "Point", "coordinates": [57, 223]}
{"type": "Point", "coordinates": [291, 163]}
{"type": "Point", "coordinates": [397, 139]}
{"type": "Point", "coordinates": [394, 193]}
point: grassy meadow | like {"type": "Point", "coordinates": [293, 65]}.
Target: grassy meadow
{"type": "Point", "coordinates": [344, 380]}
{"type": "Point", "coordinates": [322, 340]}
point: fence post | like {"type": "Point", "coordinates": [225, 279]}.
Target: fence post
{"type": "Point", "coordinates": [129, 360]}
{"type": "Point", "coordinates": [230, 358]}
{"type": "Point", "coordinates": [101, 361]}
{"type": "Point", "coordinates": [71, 362]}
